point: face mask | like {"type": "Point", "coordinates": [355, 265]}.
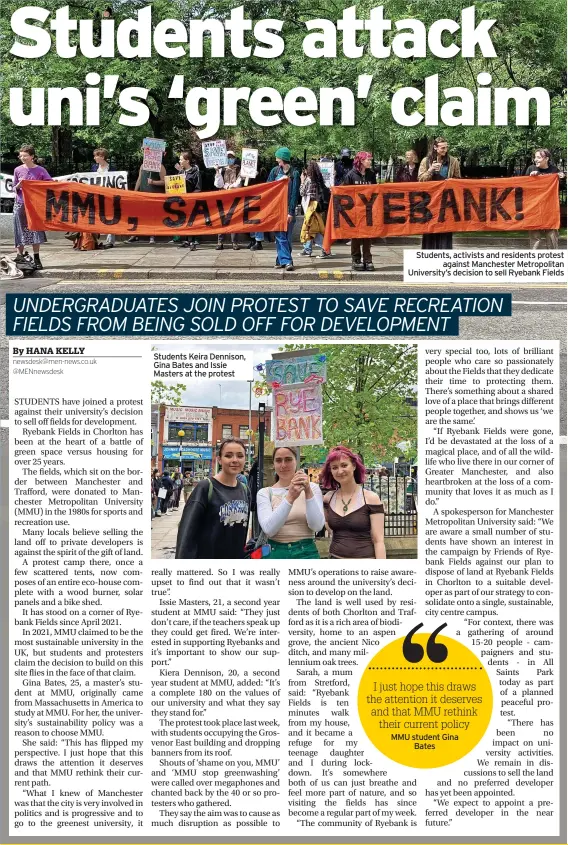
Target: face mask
{"type": "Point", "coordinates": [231, 160]}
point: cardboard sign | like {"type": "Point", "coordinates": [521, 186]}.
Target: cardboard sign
{"type": "Point", "coordinates": [175, 184]}
{"type": "Point", "coordinates": [249, 163]}
{"type": "Point", "coordinates": [214, 153]}
{"type": "Point", "coordinates": [116, 179]}
{"type": "Point", "coordinates": [328, 172]}
{"type": "Point", "coordinates": [298, 415]}
{"type": "Point", "coordinates": [60, 206]}
{"type": "Point", "coordinates": [153, 154]}
{"type": "Point", "coordinates": [297, 370]}
{"type": "Point", "coordinates": [450, 205]}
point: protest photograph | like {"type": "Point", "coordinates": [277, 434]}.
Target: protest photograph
{"type": "Point", "coordinates": [314, 455]}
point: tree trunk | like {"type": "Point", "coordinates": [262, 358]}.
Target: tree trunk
{"type": "Point", "coordinates": [61, 148]}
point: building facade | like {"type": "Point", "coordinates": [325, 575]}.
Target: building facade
{"type": "Point", "coordinates": [203, 430]}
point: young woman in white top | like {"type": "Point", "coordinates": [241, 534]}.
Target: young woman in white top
{"type": "Point", "coordinates": [291, 511]}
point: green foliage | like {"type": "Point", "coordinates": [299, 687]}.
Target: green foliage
{"type": "Point", "coordinates": [529, 38]}
{"type": "Point", "coordinates": [368, 400]}
{"type": "Point", "coordinates": [166, 394]}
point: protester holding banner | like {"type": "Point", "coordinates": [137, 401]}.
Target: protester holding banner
{"type": "Point", "coordinates": [408, 172]}
{"type": "Point", "coordinates": [313, 192]}
{"type": "Point", "coordinates": [361, 174]}
{"type": "Point", "coordinates": [214, 522]}
{"type": "Point", "coordinates": [23, 236]}
{"type": "Point", "coordinates": [291, 511]}
{"type": "Point", "coordinates": [192, 174]}
{"type": "Point", "coordinates": [542, 166]}
{"type": "Point", "coordinates": [102, 165]}
{"type": "Point", "coordinates": [150, 182]}
{"type": "Point", "coordinates": [355, 516]}
{"type": "Point", "coordinates": [225, 179]}
{"type": "Point", "coordinates": [284, 170]}
{"type": "Point", "coordinates": [437, 166]}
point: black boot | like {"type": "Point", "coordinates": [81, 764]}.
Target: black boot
{"type": "Point", "coordinates": [37, 262]}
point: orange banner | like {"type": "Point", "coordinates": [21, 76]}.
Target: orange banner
{"type": "Point", "coordinates": [89, 208]}
{"type": "Point", "coordinates": [451, 205]}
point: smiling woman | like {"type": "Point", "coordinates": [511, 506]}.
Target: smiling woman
{"type": "Point", "coordinates": [215, 518]}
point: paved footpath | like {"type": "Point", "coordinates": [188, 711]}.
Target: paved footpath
{"type": "Point", "coordinates": [164, 534]}
{"type": "Point", "coordinates": [165, 261]}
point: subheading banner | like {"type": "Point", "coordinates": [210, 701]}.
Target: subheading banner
{"type": "Point", "coordinates": [90, 208]}
{"type": "Point", "coordinates": [286, 315]}
{"type": "Point", "coordinates": [451, 205]}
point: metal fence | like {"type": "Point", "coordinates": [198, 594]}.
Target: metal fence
{"type": "Point", "coordinates": [398, 495]}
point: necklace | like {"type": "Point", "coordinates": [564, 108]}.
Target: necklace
{"type": "Point", "coordinates": [348, 502]}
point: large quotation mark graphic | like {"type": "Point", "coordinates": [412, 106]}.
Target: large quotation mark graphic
{"type": "Point", "coordinates": [414, 652]}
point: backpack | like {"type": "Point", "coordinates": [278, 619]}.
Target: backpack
{"type": "Point", "coordinates": [324, 197]}
{"type": "Point", "coordinates": [25, 263]}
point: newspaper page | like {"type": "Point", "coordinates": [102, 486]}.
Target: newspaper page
{"type": "Point", "coordinates": [340, 337]}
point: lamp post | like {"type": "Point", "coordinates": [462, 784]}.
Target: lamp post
{"type": "Point", "coordinates": [250, 384]}
{"type": "Point", "coordinates": [181, 435]}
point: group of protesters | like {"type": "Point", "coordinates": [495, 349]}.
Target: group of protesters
{"type": "Point", "coordinates": [307, 186]}
{"type": "Point", "coordinates": [216, 521]}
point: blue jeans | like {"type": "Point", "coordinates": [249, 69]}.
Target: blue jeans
{"type": "Point", "coordinates": [284, 244]}
{"type": "Point", "coordinates": [258, 236]}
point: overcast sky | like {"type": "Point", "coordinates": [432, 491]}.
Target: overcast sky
{"type": "Point", "coordinates": [221, 392]}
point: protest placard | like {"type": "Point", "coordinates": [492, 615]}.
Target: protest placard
{"type": "Point", "coordinates": [175, 184]}
{"type": "Point", "coordinates": [6, 186]}
{"type": "Point", "coordinates": [249, 163]}
{"type": "Point", "coordinates": [287, 371]}
{"type": "Point", "coordinates": [298, 415]}
{"type": "Point", "coordinates": [450, 205]}
{"type": "Point", "coordinates": [328, 172]}
{"type": "Point", "coordinates": [114, 179]}
{"type": "Point", "coordinates": [153, 154]}
{"type": "Point", "coordinates": [214, 153]}
{"type": "Point", "coordinates": [60, 206]}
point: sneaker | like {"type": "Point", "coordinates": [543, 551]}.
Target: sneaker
{"type": "Point", "coordinates": [37, 263]}
{"type": "Point", "coordinates": [277, 265]}
{"type": "Point", "coordinates": [193, 247]}
{"type": "Point", "coordinates": [256, 245]}
{"type": "Point", "coordinates": [157, 514]}
{"type": "Point", "coordinates": [357, 265]}
{"type": "Point", "coordinates": [152, 241]}
{"type": "Point", "coordinates": [108, 246]}
{"type": "Point", "coordinates": [219, 246]}
{"type": "Point", "coordinates": [369, 266]}
{"type": "Point", "coordinates": [184, 245]}
{"type": "Point", "coordinates": [326, 255]}
{"type": "Point", "coordinates": [132, 239]}
{"type": "Point", "coordinates": [288, 267]}
{"type": "Point", "coordinates": [305, 254]}
{"type": "Point", "coordinates": [236, 246]}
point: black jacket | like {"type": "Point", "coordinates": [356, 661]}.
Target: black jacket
{"type": "Point", "coordinates": [353, 177]}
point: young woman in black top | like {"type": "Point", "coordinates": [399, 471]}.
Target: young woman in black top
{"type": "Point", "coordinates": [361, 174]}
{"type": "Point", "coordinates": [355, 516]}
{"type": "Point", "coordinates": [214, 522]}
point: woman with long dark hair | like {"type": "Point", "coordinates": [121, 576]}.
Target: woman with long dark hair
{"type": "Point", "coordinates": [355, 516]}
{"type": "Point", "coordinates": [437, 166]}
{"type": "Point", "coordinates": [23, 236]}
{"type": "Point", "coordinates": [312, 192]}
{"type": "Point", "coordinates": [215, 517]}
{"type": "Point", "coordinates": [290, 512]}
{"type": "Point", "coordinates": [361, 174]}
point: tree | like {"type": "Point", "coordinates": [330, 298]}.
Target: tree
{"type": "Point", "coordinates": [369, 399]}
{"type": "Point", "coordinates": [166, 394]}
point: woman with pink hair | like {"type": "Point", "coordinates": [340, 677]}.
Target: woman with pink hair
{"type": "Point", "coordinates": [355, 516]}
{"type": "Point", "coordinates": [361, 174]}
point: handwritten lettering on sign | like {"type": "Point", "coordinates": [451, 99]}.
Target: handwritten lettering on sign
{"type": "Point", "coordinates": [298, 415]}
{"type": "Point", "coordinates": [296, 370]}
